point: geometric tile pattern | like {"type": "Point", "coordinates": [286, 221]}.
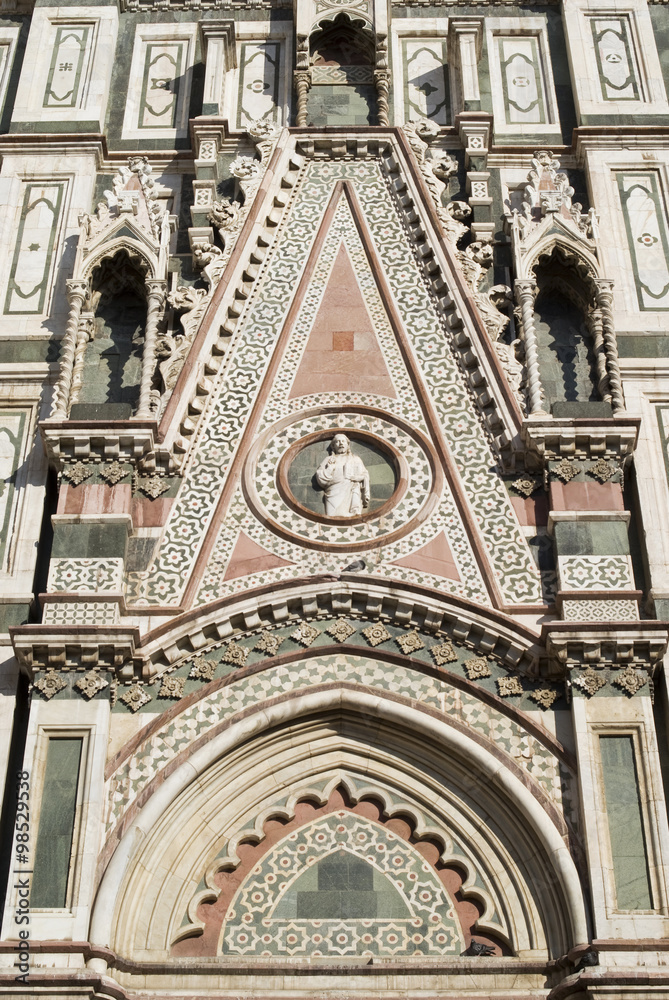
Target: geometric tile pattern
{"type": "Point", "coordinates": [164, 744]}
{"type": "Point", "coordinates": [82, 613]}
{"type": "Point", "coordinates": [85, 575]}
{"type": "Point", "coordinates": [600, 611]}
{"type": "Point", "coordinates": [284, 907]}
{"type": "Point", "coordinates": [229, 405]}
{"type": "Point", "coordinates": [595, 573]}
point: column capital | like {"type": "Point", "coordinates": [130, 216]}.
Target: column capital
{"type": "Point", "coordinates": [77, 288]}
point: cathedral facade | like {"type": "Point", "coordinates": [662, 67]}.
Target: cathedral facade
{"type": "Point", "coordinates": [334, 428]}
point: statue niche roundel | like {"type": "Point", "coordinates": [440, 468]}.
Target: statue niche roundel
{"type": "Point", "coordinates": [339, 479]}
{"type": "Point", "coordinates": [340, 475]}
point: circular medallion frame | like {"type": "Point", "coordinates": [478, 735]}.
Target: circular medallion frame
{"type": "Point", "coordinates": [266, 486]}
{"type": "Point", "coordinates": [392, 456]}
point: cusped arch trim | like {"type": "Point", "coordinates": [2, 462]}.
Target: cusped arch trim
{"type": "Point", "coordinates": [108, 250]}
{"type": "Point", "coordinates": [566, 243]}
{"type": "Point", "coordinates": [505, 784]}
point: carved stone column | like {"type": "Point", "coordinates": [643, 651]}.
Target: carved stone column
{"type": "Point", "coordinates": [382, 83]}
{"type": "Point", "coordinates": [156, 289]}
{"type": "Point", "coordinates": [605, 304]}
{"type": "Point", "coordinates": [596, 326]}
{"type": "Point", "coordinates": [302, 87]}
{"type": "Point", "coordinates": [525, 289]}
{"type": "Point", "coordinates": [77, 293]}
{"type": "Point", "coordinates": [85, 334]}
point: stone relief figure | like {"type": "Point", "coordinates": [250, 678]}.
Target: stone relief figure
{"type": "Point", "coordinates": [344, 479]}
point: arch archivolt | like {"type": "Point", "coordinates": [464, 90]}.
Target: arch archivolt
{"type": "Point", "coordinates": [224, 799]}
{"type": "Point", "coordinates": [525, 745]}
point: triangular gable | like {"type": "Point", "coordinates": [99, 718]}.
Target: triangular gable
{"type": "Point", "coordinates": [343, 351]}
{"type": "Point", "coordinates": [469, 502]}
{"type": "Point", "coordinates": [435, 558]}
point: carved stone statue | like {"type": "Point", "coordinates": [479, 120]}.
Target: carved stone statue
{"type": "Point", "coordinates": [344, 479]}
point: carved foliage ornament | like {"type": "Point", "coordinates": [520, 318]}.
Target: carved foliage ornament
{"type": "Point", "coordinates": [589, 681]}
{"type": "Point", "coordinates": [91, 683]}
{"type": "Point", "coordinates": [565, 470]}
{"type": "Point", "coordinates": [202, 669]}
{"type": "Point", "coordinates": [50, 684]}
{"type": "Point", "coordinates": [630, 680]}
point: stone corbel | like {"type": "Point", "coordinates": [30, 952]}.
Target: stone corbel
{"type": "Point", "coordinates": [640, 646]}
{"type": "Point", "coordinates": [551, 439]}
{"type": "Point", "coordinates": [72, 647]}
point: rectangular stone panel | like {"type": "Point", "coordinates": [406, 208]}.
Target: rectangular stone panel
{"type": "Point", "coordinates": [68, 62]}
{"type": "Point", "coordinates": [258, 95]}
{"type": "Point", "coordinates": [53, 850]}
{"type": "Point", "coordinates": [163, 69]}
{"type": "Point", "coordinates": [625, 821]}
{"type": "Point", "coordinates": [522, 81]}
{"type": "Point", "coordinates": [36, 238]}
{"type": "Point", "coordinates": [619, 76]}
{"type": "Point", "coordinates": [426, 90]}
{"type": "Point", "coordinates": [12, 438]}
{"type": "Point", "coordinates": [644, 210]}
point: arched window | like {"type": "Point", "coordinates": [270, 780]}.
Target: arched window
{"type": "Point", "coordinates": [564, 318]}
{"type": "Point", "coordinates": [112, 362]}
{"type": "Point", "coordinates": [342, 61]}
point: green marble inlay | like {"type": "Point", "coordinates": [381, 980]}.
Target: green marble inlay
{"type": "Point", "coordinates": [615, 59]}
{"type": "Point", "coordinates": [646, 225]}
{"type": "Point", "coordinates": [31, 265]}
{"type": "Point", "coordinates": [426, 89]}
{"type": "Point", "coordinates": [623, 809]}
{"type": "Point", "coordinates": [67, 63]}
{"type": "Point", "coordinates": [522, 83]}
{"type": "Point", "coordinates": [56, 825]}
{"type": "Point", "coordinates": [163, 70]}
{"type": "Point", "coordinates": [258, 95]}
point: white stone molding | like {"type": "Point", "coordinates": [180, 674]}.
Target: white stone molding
{"type": "Point", "coordinates": [220, 55]}
{"type": "Point", "coordinates": [477, 886]}
{"type": "Point", "coordinates": [553, 438]}
{"type": "Point", "coordinates": [633, 718]}
{"type": "Point", "coordinates": [47, 93]}
{"type": "Point", "coordinates": [465, 35]}
{"type": "Point", "coordinates": [90, 721]}
{"type": "Point", "coordinates": [44, 647]}
{"type": "Point", "coordinates": [419, 47]}
{"type": "Point", "coordinates": [9, 37]}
